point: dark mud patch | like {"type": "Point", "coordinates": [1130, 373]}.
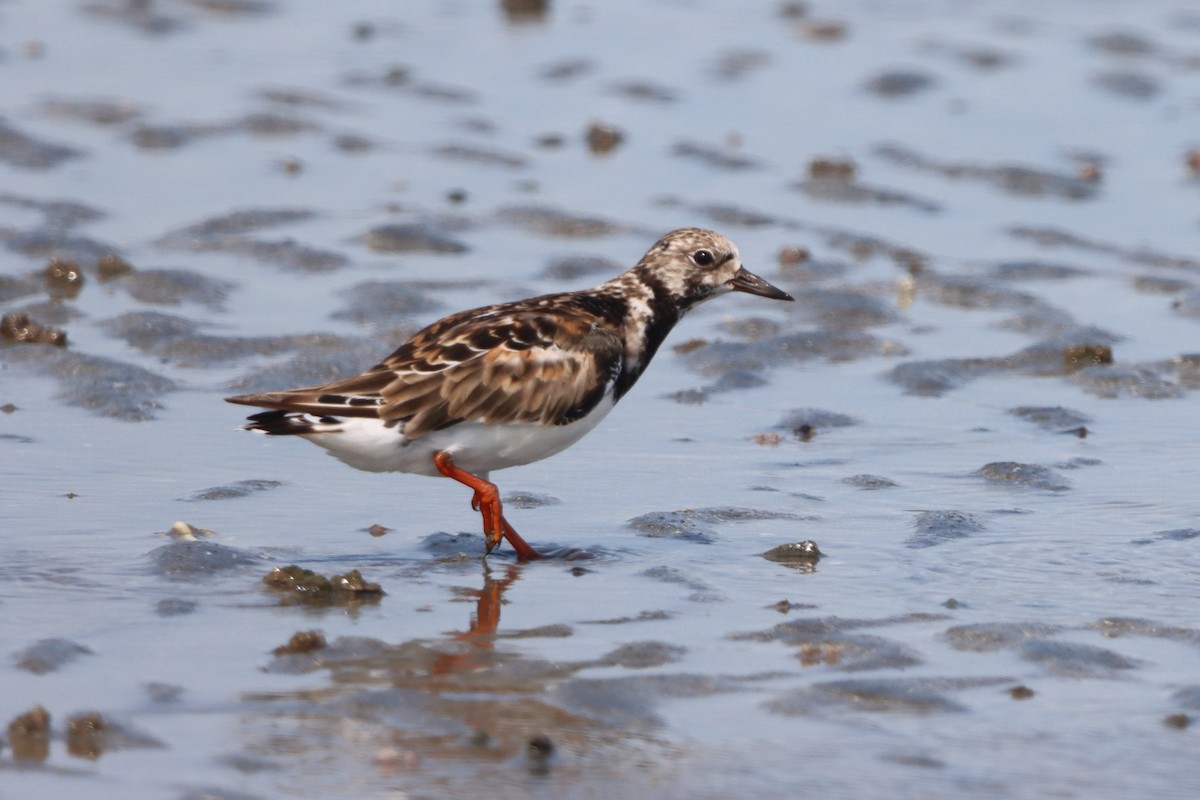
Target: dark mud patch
{"type": "Point", "coordinates": [172, 287]}
{"type": "Point", "coordinates": [833, 181]}
{"type": "Point", "coordinates": [972, 292]}
{"type": "Point", "coordinates": [641, 616]}
{"type": "Point", "coordinates": [897, 83]}
{"type": "Point", "coordinates": [844, 309]}
{"type": "Point", "coordinates": [701, 591]}
{"type": "Point", "coordinates": [386, 303]}
{"type": "Point", "coordinates": [987, 637]}
{"type": "Point", "coordinates": [15, 287]}
{"type": "Point", "coordinates": [103, 112]}
{"type": "Point", "coordinates": [1128, 84]}
{"type": "Point", "coordinates": [1112, 381]}
{"type": "Point", "coordinates": [557, 223]}
{"type": "Point", "coordinates": [1037, 271]}
{"type": "Point", "coordinates": [58, 214]}
{"type": "Point", "coordinates": [481, 156]}
{"type": "Point", "coordinates": [870, 482]}
{"type": "Point", "coordinates": [805, 423]}
{"type": "Point", "coordinates": [414, 237]}
{"type": "Point", "coordinates": [1158, 284]}
{"type": "Point", "coordinates": [49, 655]}
{"type": "Point", "coordinates": [1029, 476]}
{"type": "Point", "coordinates": [233, 490]}
{"type": "Point", "coordinates": [804, 629]}
{"type": "Point", "coordinates": [1061, 355]}
{"type": "Point", "coordinates": [580, 267]}
{"type": "Point", "coordinates": [1145, 256]}
{"type": "Point", "coordinates": [1051, 418]}
{"type": "Point", "coordinates": [24, 151]}
{"type": "Point", "coordinates": [631, 701]}
{"type": "Point", "coordinates": [1116, 627]}
{"type": "Point", "coordinates": [642, 655]}
{"type": "Point", "coordinates": [1020, 181]}
{"type": "Point", "coordinates": [103, 386]}
{"type": "Point", "coordinates": [728, 382]}
{"type": "Point", "coordinates": [720, 357]}
{"type": "Point", "coordinates": [693, 524]}
{"type": "Point", "coordinates": [198, 559]}
{"type": "Point", "coordinates": [828, 642]}
{"type": "Point", "coordinates": [147, 135]}
{"type": "Point", "coordinates": [175, 607]}
{"type": "Point", "coordinates": [932, 528]}
{"type": "Point", "coordinates": [1172, 535]}
{"type": "Point", "coordinates": [55, 243]}
{"type": "Point", "coordinates": [179, 341]}
{"type": "Point", "coordinates": [1073, 660]}
{"type": "Point", "coordinates": [230, 234]}
{"type": "Point", "coordinates": [321, 358]}
{"type": "Point", "coordinates": [714, 156]}
{"type": "Point", "coordinates": [529, 500]}
{"type": "Point", "coordinates": [916, 696]}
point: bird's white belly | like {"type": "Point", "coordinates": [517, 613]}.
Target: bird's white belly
{"type": "Point", "coordinates": [368, 445]}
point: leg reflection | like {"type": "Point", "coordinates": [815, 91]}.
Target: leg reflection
{"type": "Point", "coordinates": [484, 624]}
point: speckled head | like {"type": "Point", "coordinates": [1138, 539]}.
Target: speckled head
{"type": "Point", "coordinates": [693, 265]}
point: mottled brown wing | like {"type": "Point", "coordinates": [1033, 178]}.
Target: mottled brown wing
{"type": "Point", "coordinates": [535, 365]}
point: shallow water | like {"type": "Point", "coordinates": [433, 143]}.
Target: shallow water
{"type": "Point", "coordinates": [978, 207]}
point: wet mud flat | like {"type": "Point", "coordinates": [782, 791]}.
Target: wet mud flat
{"type": "Point", "coordinates": [929, 530]}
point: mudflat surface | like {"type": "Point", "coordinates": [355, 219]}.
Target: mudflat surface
{"type": "Point", "coordinates": [981, 407]}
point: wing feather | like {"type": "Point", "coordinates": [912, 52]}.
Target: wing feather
{"type": "Point", "coordinates": [545, 363]}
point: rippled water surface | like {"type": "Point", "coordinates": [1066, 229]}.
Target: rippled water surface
{"type": "Point", "coordinates": [980, 408]}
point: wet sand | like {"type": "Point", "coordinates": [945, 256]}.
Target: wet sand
{"type": "Point", "coordinates": [931, 530]}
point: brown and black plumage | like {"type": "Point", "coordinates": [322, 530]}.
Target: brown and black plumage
{"type": "Point", "coordinates": [511, 383]}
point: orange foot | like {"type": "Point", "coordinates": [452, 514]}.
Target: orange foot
{"type": "Point", "coordinates": [486, 501]}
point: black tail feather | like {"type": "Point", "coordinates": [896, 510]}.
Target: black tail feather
{"type": "Point", "coordinates": [285, 423]}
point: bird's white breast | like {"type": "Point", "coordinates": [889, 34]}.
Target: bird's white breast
{"type": "Point", "coordinates": [368, 445]}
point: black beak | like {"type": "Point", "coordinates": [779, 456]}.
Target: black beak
{"type": "Point", "coordinates": [746, 281]}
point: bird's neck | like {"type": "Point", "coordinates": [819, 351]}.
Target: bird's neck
{"type": "Point", "coordinates": [646, 313]}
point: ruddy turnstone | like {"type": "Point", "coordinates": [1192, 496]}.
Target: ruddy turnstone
{"type": "Point", "coordinates": [512, 383]}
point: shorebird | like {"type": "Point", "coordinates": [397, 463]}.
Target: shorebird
{"type": "Point", "coordinates": [511, 383]}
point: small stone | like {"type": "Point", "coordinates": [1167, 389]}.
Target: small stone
{"type": "Point", "coordinates": [378, 530]}
{"type": "Point", "coordinates": [29, 735]}
{"type": "Point", "coordinates": [792, 255]}
{"type": "Point", "coordinates": [64, 278]}
{"type": "Point", "coordinates": [1192, 159]}
{"type": "Point", "coordinates": [86, 735]}
{"type": "Point", "coordinates": [805, 552]}
{"type": "Point", "coordinates": [1178, 721]}
{"type": "Point", "coordinates": [540, 747]}
{"type": "Point", "coordinates": [112, 266]}
{"type": "Point", "coordinates": [181, 531]}
{"type": "Point", "coordinates": [1078, 356]}
{"type": "Point", "coordinates": [822, 30]}
{"type": "Point", "coordinates": [19, 328]}
{"type": "Point", "coordinates": [602, 138]}
{"type": "Point", "coordinates": [838, 169]}
{"type": "Point", "coordinates": [1020, 692]}
{"type": "Point", "coordinates": [305, 586]}
{"type": "Point", "coordinates": [683, 348]}
{"type": "Point", "coordinates": [302, 642]}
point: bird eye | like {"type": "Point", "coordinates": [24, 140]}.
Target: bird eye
{"type": "Point", "coordinates": [704, 258]}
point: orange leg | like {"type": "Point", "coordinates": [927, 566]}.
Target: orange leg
{"type": "Point", "coordinates": [486, 501]}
